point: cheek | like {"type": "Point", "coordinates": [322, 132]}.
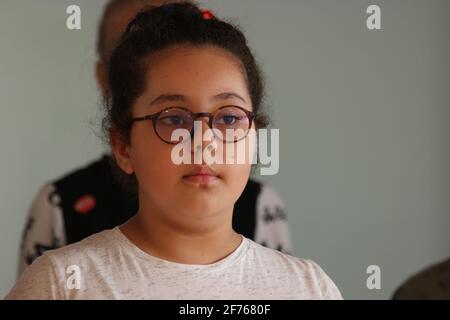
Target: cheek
{"type": "Point", "coordinates": [237, 172]}
{"type": "Point", "coordinates": [151, 160]}
{"type": "Point", "coordinates": [242, 152]}
{"type": "Point", "coordinates": [236, 179]}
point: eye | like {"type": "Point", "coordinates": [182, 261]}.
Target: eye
{"type": "Point", "coordinates": [172, 120]}
{"type": "Point", "coordinates": [229, 119]}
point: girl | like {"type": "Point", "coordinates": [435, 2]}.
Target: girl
{"type": "Point", "coordinates": [177, 66]}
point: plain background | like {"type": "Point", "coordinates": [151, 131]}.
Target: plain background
{"type": "Point", "coordinates": [363, 118]}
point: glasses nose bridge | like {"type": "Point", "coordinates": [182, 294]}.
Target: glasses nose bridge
{"type": "Point", "coordinates": [204, 115]}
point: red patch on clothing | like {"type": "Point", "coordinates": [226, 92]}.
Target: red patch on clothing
{"type": "Point", "coordinates": [85, 204]}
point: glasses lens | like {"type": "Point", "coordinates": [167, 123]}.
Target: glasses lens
{"type": "Point", "coordinates": [170, 120]}
{"type": "Point", "coordinates": [232, 122]}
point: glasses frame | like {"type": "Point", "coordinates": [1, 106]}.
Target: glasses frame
{"type": "Point", "coordinates": [196, 115]}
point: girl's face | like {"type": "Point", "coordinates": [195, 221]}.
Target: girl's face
{"type": "Point", "coordinates": [195, 78]}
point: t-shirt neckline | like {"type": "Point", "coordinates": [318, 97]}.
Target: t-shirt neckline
{"type": "Point", "coordinates": [223, 263]}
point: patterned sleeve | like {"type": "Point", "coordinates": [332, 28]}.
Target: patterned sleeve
{"type": "Point", "coordinates": [44, 229]}
{"type": "Point", "coordinates": [272, 229]}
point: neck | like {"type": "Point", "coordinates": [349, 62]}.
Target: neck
{"type": "Point", "coordinates": [210, 241]}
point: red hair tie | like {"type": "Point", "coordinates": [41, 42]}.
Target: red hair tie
{"type": "Point", "coordinates": [207, 14]}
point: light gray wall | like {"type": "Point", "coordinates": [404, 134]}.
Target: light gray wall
{"type": "Point", "coordinates": [363, 118]}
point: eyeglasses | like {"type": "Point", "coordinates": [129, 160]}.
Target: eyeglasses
{"type": "Point", "coordinates": [233, 123]}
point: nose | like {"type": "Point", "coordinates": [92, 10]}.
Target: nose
{"type": "Point", "coordinates": [201, 126]}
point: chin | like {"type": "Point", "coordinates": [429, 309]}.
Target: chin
{"type": "Point", "coordinates": [201, 206]}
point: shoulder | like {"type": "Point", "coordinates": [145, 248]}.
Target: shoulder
{"type": "Point", "coordinates": [92, 199]}
{"type": "Point", "coordinates": [269, 194]}
{"type": "Point", "coordinates": [44, 228]}
{"type": "Point", "coordinates": [47, 196]}
{"type": "Point", "coordinates": [93, 246]}
{"type": "Point", "coordinates": [306, 273]}
{"type": "Point", "coordinates": [263, 192]}
{"type": "Point", "coordinates": [270, 205]}
{"type": "Point", "coordinates": [46, 278]}
{"type": "Point", "coordinates": [276, 258]}
{"type": "Point", "coordinates": [93, 171]}
{"type": "Point", "coordinates": [96, 252]}
{"type": "Point", "coordinates": [272, 229]}
{"type": "Point", "coordinates": [38, 282]}
{"type": "Point", "coordinates": [44, 202]}
{"type": "Point", "coordinates": [44, 194]}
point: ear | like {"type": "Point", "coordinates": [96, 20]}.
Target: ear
{"type": "Point", "coordinates": [101, 76]}
{"type": "Point", "coordinates": [121, 151]}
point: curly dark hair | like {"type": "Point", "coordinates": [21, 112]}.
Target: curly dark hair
{"type": "Point", "coordinates": [157, 28]}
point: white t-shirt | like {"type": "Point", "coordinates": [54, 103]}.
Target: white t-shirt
{"type": "Point", "coordinates": [109, 266]}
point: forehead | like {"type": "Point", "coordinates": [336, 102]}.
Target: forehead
{"type": "Point", "coordinates": [189, 69]}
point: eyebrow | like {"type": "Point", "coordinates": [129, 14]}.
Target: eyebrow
{"type": "Point", "coordinates": [228, 95]}
{"type": "Point", "coordinates": [179, 97]}
{"type": "Point", "coordinates": [168, 97]}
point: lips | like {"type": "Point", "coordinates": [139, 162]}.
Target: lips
{"type": "Point", "coordinates": [202, 175]}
